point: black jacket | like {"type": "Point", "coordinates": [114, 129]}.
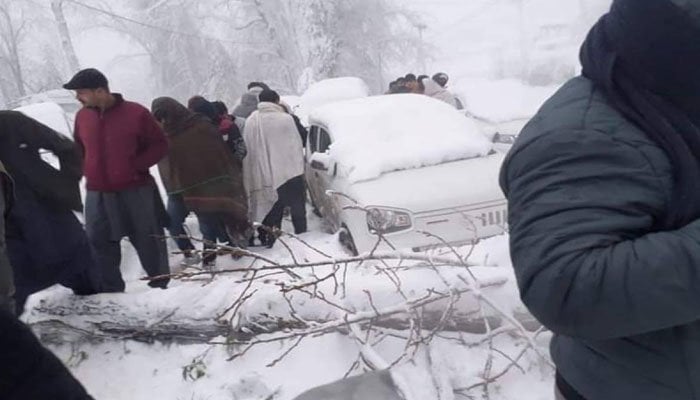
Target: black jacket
{"type": "Point", "coordinates": [29, 371]}
{"type": "Point", "coordinates": [586, 190]}
{"type": "Point", "coordinates": [21, 139]}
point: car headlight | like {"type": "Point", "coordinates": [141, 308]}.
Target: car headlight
{"type": "Point", "coordinates": [382, 220]}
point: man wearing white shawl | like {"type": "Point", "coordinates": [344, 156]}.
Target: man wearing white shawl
{"type": "Point", "coordinates": [273, 171]}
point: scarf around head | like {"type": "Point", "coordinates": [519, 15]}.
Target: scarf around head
{"type": "Point", "coordinates": [645, 57]}
{"type": "Point", "coordinates": [176, 117]}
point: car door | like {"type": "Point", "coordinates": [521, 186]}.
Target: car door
{"type": "Point", "coordinates": [326, 180]}
{"type": "Point", "coordinates": [316, 191]}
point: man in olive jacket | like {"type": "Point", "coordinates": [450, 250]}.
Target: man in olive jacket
{"type": "Point", "coordinates": [604, 195]}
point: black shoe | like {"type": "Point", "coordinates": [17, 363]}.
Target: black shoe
{"type": "Point", "coordinates": [159, 283]}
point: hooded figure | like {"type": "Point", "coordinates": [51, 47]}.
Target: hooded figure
{"type": "Point", "coordinates": [249, 100]}
{"type": "Point", "coordinates": [603, 187]}
{"type": "Point", "coordinates": [200, 169]}
{"type": "Point", "coordinates": [275, 158]}
{"type": "Point", "coordinates": [434, 90]}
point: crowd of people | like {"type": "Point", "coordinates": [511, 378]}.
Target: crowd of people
{"type": "Point", "coordinates": [435, 87]}
{"type": "Point", "coordinates": [236, 172]}
{"type": "Point", "coordinates": [230, 170]}
{"type": "Point", "coordinates": [603, 189]}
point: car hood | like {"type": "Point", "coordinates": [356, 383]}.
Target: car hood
{"type": "Point", "coordinates": [447, 185]}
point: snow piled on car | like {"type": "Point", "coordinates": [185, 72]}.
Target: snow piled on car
{"type": "Point", "coordinates": [329, 91]}
{"type": "Point", "coordinates": [380, 134]}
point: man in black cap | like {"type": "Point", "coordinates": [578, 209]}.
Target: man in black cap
{"type": "Point", "coordinates": [603, 187]}
{"type": "Point", "coordinates": [120, 140]}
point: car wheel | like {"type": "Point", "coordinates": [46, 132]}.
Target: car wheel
{"type": "Point", "coordinates": [347, 241]}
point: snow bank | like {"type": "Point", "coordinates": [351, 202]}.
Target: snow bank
{"type": "Point", "coordinates": [115, 369]}
{"type": "Point", "coordinates": [502, 100]}
{"type": "Point", "coordinates": [49, 114]}
{"type": "Point", "coordinates": [380, 134]}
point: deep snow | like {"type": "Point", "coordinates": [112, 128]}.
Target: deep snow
{"type": "Point", "coordinates": [133, 370]}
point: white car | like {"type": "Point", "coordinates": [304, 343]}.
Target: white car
{"type": "Point", "coordinates": [404, 171]}
{"type": "Point", "coordinates": [50, 114]}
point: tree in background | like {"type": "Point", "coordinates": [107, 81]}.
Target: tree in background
{"type": "Point", "coordinates": [310, 40]}
{"type": "Point", "coordinates": [210, 47]}
{"type": "Point", "coordinates": [12, 34]}
{"type": "Point", "coordinates": [65, 35]}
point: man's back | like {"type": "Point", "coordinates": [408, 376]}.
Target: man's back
{"type": "Point", "coordinates": [272, 129]}
{"type": "Point", "coordinates": [274, 156]}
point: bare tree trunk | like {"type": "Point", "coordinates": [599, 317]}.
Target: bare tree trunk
{"type": "Point", "coordinates": [66, 42]}
{"type": "Point", "coordinates": [10, 42]}
{"type": "Point", "coordinates": [524, 40]}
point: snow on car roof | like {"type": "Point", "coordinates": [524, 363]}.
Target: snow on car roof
{"type": "Point", "coordinates": [49, 114]}
{"type": "Point", "coordinates": [328, 91]}
{"type": "Point", "coordinates": [380, 134]}
{"type": "Point", "coordinates": [335, 89]}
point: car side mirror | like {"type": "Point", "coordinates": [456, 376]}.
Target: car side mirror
{"type": "Point", "coordinates": [320, 161]}
{"type": "Point", "coordinates": [315, 164]}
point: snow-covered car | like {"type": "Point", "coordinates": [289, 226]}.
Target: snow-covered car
{"type": "Point", "coordinates": [63, 98]}
{"type": "Point", "coordinates": [405, 167]}
{"type": "Point", "coordinates": [329, 91]}
{"type": "Point", "coordinates": [51, 115]}
{"type": "Point", "coordinates": [501, 108]}
{"type": "Point", "coordinates": [501, 133]}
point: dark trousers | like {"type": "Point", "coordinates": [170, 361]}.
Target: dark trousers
{"type": "Point", "coordinates": [47, 245]}
{"type": "Point", "coordinates": [178, 213]}
{"type": "Point", "coordinates": [73, 272]}
{"type": "Point", "coordinates": [291, 194]}
{"type": "Point", "coordinates": [210, 224]}
{"type": "Point", "coordinates": [132, 213]}
{"type": "Point", "coordinates": [213, 231]}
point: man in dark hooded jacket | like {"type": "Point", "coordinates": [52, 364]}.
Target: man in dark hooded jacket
{"type": "Point", "coordinates": [46, 243]}
{"type": "Point", "coordinates": [7, 286]}
{"type": "Point", "coordinates": [604, 195]}
{"type": "Point", "coordinates": [27, 370]}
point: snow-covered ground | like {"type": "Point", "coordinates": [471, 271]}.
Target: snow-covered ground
{"type": "Point", "coordinates": [450, 358]}
{"type": "Point", "coordinates": [504, 59]}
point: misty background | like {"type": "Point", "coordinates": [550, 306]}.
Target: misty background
{"type": "Point", "coordinates": [180, 48]}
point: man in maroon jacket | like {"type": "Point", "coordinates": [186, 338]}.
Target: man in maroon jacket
{"type": "Point", "coordinates": [120, 141]}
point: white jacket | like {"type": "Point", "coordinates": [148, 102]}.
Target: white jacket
{"type": "Point", "coordinates": [434, 90]}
